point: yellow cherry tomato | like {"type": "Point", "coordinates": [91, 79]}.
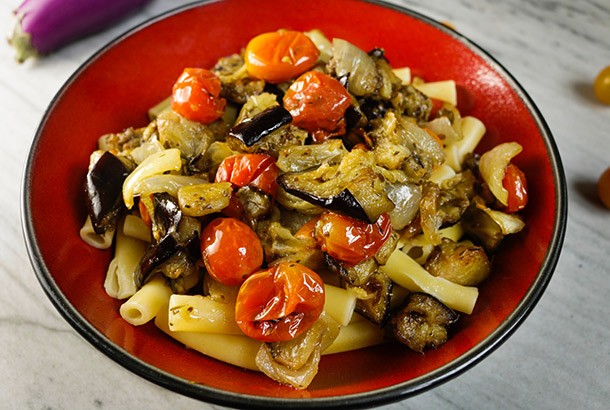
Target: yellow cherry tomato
{"type": "Point", "coordinates": [603, 188]}
{"type": "Point", "coordinates": [601, 86]}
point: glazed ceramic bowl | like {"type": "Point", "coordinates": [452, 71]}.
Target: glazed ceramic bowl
{"type": "Point", "coordinates": [116, 87]}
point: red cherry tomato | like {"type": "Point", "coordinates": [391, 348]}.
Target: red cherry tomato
{"type": "Point", "coordinates": [280, 56]}
{"type": "Point", "coordinates": [351, 240]}
{"type": "Point", "coordinates": [230, 250]}
{"type": "Point", "coordinates": [257, 170]}
{"type": "Point", "coordinates": [317, 103]}
{"type": "Point", "coordinates": [280, 303]}
{"type": "Point", "coordinates": [196, 96]}
{"type": "Point", "coordinates": [515, 183]}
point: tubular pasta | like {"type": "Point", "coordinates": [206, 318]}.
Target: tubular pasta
{"type": "Point", "coordinates": [120, 280]}
{"type": "Point", "coordinates": [147, 302]}
{"type": "Point", "coordinates": [405, 271]}
{"type": "Point", "coordinates": [356, 335]}
{"type": "Point", "coordinates": [439, 90]}
{"type": "Point", "coordinates": [339, 303]}
{"type": "Point", "coordinates": [196, 313]}
{"type": "Point", "coordinates": [134, 226]}
{"type": "Point", "coordinates": [233, 349]}
{"type": "Point", "coordinates": [87, 234]}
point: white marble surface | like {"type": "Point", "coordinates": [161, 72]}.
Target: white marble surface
{"type": "Point", "coordinates": [560, 356]}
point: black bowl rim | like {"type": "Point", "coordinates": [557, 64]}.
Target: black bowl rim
{"type": "Point", "coordinates": [390, 394]}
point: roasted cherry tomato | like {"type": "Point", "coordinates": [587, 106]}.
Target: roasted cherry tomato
{"type": "Point", "coordinates": [196, 96]}
{"type": "Point", "coordinates": [280, 55]}
{"type": "Point", "coordinates": [601, 86]}
{"type": "Point", "coordinates": [257, 170]}
{"type": "Point", "coordinates": [230, 250]}
{"type": "Point", "coordinates": [515, 183]}
{"type": "Point", "coordinates": [280, 303]}
{"type": "Point", "coordinates": [317, 103]}
{"type": "Point", "coordinates": [351, 240]}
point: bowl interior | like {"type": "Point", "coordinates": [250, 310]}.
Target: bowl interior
{"type": "Point", "coordinates": [116, 87]}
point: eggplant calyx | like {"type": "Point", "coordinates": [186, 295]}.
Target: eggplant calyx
{"type": "Point", "coordinates": [252, 130]}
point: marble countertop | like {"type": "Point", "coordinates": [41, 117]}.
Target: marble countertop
{"type": "Point", "coordinates": [560, 356]}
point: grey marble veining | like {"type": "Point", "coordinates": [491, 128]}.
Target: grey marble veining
{"type": "Point", "coordinates": [560, 356]}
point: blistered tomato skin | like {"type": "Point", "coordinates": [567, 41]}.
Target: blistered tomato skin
{"type": "Point", "coordinates": [230, 250]}
{"type": "Point", "coordinates": [280, 56]}
{"type": "Point", "coordinates": [351, 240]}
{"type": "Point", "coordinates": [196, 96]}
{"type": "Point", "coordinates": [257, 170]}
{"type": "Point", "coordinates": [516, 184]}
{"type": "Point", "coordinates": [279, 303]}
{"type": "Point", "coordinates": [317, 103]}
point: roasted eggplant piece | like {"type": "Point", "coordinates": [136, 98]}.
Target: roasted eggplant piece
{"type": "Point", "coordinates": [280, 245]}
{"type": "Point", "coordinates": [252, 130]}
{"type": "Point", "coordinates": [353, 187]}
{"type": "Point", "coordinates": [374, 298]}
{"type": "Point", "coordinates": [103, 189]}
{"type": "Point", "coordinates": [481, 228]}
{"type": "Point", "coordinates": [422, 323]}
{"type": "Point", "coordinates": [460, 263]}
{"type": "Point", "coordinates": [355, 275]}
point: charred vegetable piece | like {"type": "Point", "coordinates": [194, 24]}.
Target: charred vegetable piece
{"type": "Point", "coordinates": [154, 256]}
{"type": "Point", "coordinates": [481, 228]}
{"type": "Point", "coordinates": [343, 202]}
{"type": "Point", "coordinates": [203, 199]}
{"type": "Point", "coordinates": [295, 362]}
{"type": "Point", "coordinates": [166, 215]}
{"type": "Point", "coordinates": [355, 275]}
{"type": "Point", "coordinates": [422, 323]}
{"type": "Point", "coordinates": [280, 245]}
{"type": "Point", "coordinates": [374, 298]}
{"type": "Point", "coordinates": [460, 263]}
{"type": "Point", "coordinates": [103, 188]}
{"type": "Point", "coordinates": [46, 25]}
{"type": "Point", "coordinates": [252, 130]}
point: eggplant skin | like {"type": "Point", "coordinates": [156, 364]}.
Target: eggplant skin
{"type": "Point", "coordinates": [252, 130]}
{"type": "Point", "coordinates": [46, 25]}
{"type": "Point", "coordinates": [422, 323]}
{"type": "Point", "coordinates": [103, 190]}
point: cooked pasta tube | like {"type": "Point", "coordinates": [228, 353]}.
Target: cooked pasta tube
{"type": "Point", "coordinates": [157, 163]}
{"type": "Point", "coordinates": [404, 74]}
{"type": "Point", "coordinates": [233, 349]}
{"type": "Point", "coordinates": [339, 303]}
{"type": "Point", "coordinates": [134, 226]}
{"type": "Point", "coordinates": [356, 335]}
{"type": "Point", "coordinates": [409, 274]}
{"type": "Point", "coordinates": [87, 234]}
{"type": "Point", "coordinates": [147, 302]}
{"type": "Point", "coordinates": [120, 280]}
{"type": "Point", "coordinates": [196, 313]}
{"type": "Point", "coordinates": [442, 173]}
{"type": "Point", "coordinates": [439, 90]}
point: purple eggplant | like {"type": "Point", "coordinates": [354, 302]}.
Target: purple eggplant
{"type": "Point", "coordinates": [252, 130]}
{"type": "Point", "coordinates": [46, 25]}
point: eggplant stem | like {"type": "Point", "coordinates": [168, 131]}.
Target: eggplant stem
{"type": "Point", "coordinates": [21, 42]}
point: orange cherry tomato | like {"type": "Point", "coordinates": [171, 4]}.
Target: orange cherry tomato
{"type": "Point", "coordinates": [603, 188]}
{"type": "Point", "coordinates": [601, 86]}
{"type": "Point", "coordinates": [230, 250]}
{"type": "Point", "coordinates": [351, 240]}
{"type": "Point", "coordinates": [317, 103]}
{"type": "Point", "coordinates": [196, 96]}
{"type": "Point", "coordinates": [280, 56]}
{"type": "Point", "coordinates": [515, 183]}
{"type": "Point", "coordinates": [257, 170]}
{"type": "Point", "coordinates": [307, 231]}
{"type": "Point", "coordinates": [280, 303]}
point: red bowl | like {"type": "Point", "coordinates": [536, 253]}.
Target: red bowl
{"type": "Point", "coordinates": [115, 88]}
